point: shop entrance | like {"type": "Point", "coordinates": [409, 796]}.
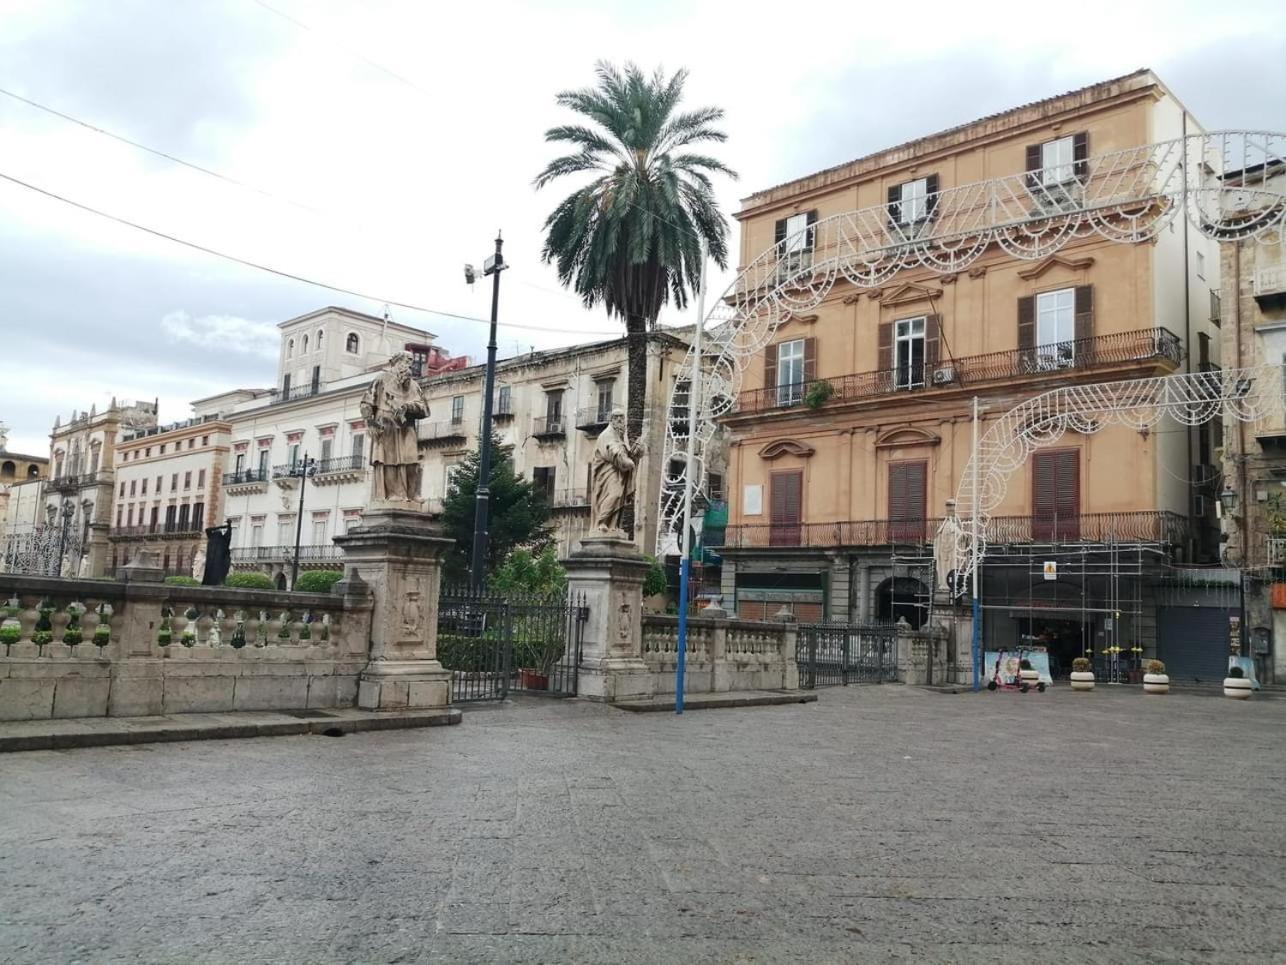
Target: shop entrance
{"type": "Point", "coordinates": [1064, 639]}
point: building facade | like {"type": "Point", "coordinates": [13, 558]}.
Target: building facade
{"type": "Point", "coordinates": [855, 423]}
{"type": "Point", "coordinates": [79, 493]}
{"type": "Point", "coordinates": [168, 488]}
{"type": "Point", "coordinates": [1252, 305]}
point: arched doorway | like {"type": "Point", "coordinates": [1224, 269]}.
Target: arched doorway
{"type": "Point", "coordinates": [902, 598]}
{"type": "Point", "coordinates": [281, 581]}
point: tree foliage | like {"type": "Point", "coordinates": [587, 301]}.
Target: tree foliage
{"type": "Point", "coordinates": [525, 573]}
{"type": "Point", "coordinates": [518, 515]}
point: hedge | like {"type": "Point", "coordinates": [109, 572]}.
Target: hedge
{"type": "Point", "coordinates": [318, 581]}
{"type": "Point", "coordinates": [182, 581]}
{"type": "Point", "coordinates": [250, 581]}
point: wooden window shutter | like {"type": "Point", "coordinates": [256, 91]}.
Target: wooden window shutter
{"type": "Point", "coordinates": [886, 345]}
{"type": "Point", "coordinates": [915, 489]}
{"type": "Point", "coordinates": [931, 195]}
{"type": "Point", "coordinates": [895, 205]}
{"type": "Point", "coordinates": [1080, 156]}
{"type": "Point", "coordinates": [1033, 164]}
{"type": "Point", "coordinates": [811, 241]}
{"type": "Point", "coordinates": [932, 343]}
{"type": "Point", "coordinates": [1084, 322]}
{"type": "Point", "coordinates": [897, 490]}
{"type": "Point", "coordinates": [810, 359]}
{"type": "Point", "coordinates": [770, 367]}
{"type": "Point", "coordinates": [786, 497]}
{"type": "Point", "coordinates": [1027, 323]}
{"type": "Point", "coordinates": [779, 232]}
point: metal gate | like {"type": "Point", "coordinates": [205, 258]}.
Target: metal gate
{"type": "Point", "coordinates": [838, 654]}
{"type": "Point", "coordinates": [495, 645]}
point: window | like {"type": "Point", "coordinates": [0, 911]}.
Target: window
{"type": "Point", "coordinates": [504, 401]}
{"type": "Point", "coordinates": [163, 448]}
{"type": "Point", "coordinates": [148, 452]}
{"type": "Point", "coordinates": [1056, 328]}
{"type": "Point", "coordinates": [205, 440]}
{"type": "Point", "coordinates": [293, 454]}
{"type": "Point", "coordinates": [159, 480]}
{"type": "Point", "coordinates": [240, 466]}
{"type": "Point", "coordinates": [907, 501]}
{"type": "Point", "coordinates": [326, 446]}
{"type": "Point", "coordinates": [352, 343]}
{"type": "Point", "coordinates": [285, 530]}
{"type": "Point", "coordinates": [174, 482]}
{"type": "Point", "coordinates": [1056, 494]}
{"type": "Point", "coordinates": [156, 513]}
{"type": "Point", "coordinates": [790, 372]}
{"type": "Point", "coordinates": [715, 485]}
{"type": "Point", "coordinates": [192, 443]}
{"type": "Point", "coordinates": [795, 237]}
{"type": "Point", "coordinates": [200, 479]}
{"type": "Point", "coordinates": [912, 202]}
{"type": "Point", "coordinates": [133, 487]}
{"type": "Point", "coordinates": [285, 385]}
{"type": "Point", "coordinates": [1056, 161]}
{"type": "Point", "coordinates": [143, 487]}
{"type": "Point", "coordinates": [256, 531]}
{"type": "Point", "coordinates": [170, 512]}
{"type": "Point", "coordinates": [263, 463]}
{"type": "Point", "coordinates": [554, 408]}
{"type": "Point", "coordinates": [120, 514]}
{"type": "Point", "coordinates": [290, 349]}
{"type": "Point", "coordinates": [122, 493]}
{"type": "Point", "coordinates": [457, 410]}
{"type": "Point", "coordinates": [316, 380]}
{"type": "Point", "coordinates": [605, 390]}
{"type": "Point", "coordinates": [187, 480]}
{"type": "Point", "coordinates": [1201, 265]}
{"type": "Point", "coordinates": [198, 516]}
{"type": "Point", "coordinates": [319, 340]}
{"type": "Point", "coordinates": [129, 517]}
{"type": "Point", "coordinates": [908, 346]}
{"type": "Point", "coordinates": [359, 444]}
{"type": "Point", "coordinates": [419, 359]}
{"type": "Point", "coordinates": [543, 479]}
{"type": "Point", "coordinates": [304, 349]}
{"type": "Point", "coordinates": [319, 530]}
{"type": "Point", "coordinates": [184, 510]}
{"type": "Point", "coordinates": [785, 507]}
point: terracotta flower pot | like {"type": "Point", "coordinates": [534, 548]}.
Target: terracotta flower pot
{"type": "Point", "coordinates": [1156, 683]}
{"type": "Point", "coordinates": [1238, 688]}
{"type": "Point", "coordinates": [532, 680]}
{"type": "Point", "coordinates": [1082, 679]}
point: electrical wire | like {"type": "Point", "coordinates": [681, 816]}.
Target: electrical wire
{"type": "Point", "coordinates": [285, 274]}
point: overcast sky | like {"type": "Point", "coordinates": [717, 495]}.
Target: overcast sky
{"type": "Point", "coordinates": [396, 136]}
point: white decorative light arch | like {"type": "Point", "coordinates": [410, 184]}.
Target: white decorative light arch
{"type": "Point", "coordinates": [1225, 182]}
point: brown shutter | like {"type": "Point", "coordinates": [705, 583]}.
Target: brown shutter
{"type": "Point", "coordinates": [1027, 323]}
{"type": "Point", "coordinates": [897, 491]}
{"type": "Point", "coordinates": [779, 232]}
{"type": "Point", "coordinates": [1056, 494]}
{"type": "Point", "coordinates": [770, 367]}
{"type": "Point", "coordinates": [785, 507]}
{"type": "Point", "coordinates": [932, 343]}
{"type": "Point", "coordinates": [1033, 164]}
{"type": "Point", "coordinates": [1084, 322]}
{"type": "Point", "coordinates": [810, 359]}
{"type": "Point", "coordinates": [907, 487]}
{"type": "Point", "coordinates": [1080, 156]}
{"type": "Point", "coordinates": [895, 205]}
{"type": "Point", "coordinates": [886, 346]}
{"type": "Point", "coordinates": [931, 195]}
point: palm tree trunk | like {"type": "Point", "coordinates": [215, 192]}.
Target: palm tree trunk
{"type": "Point", "coordinates": [636, 380]}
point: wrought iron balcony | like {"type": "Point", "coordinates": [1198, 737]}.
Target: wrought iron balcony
{"type": "Point", "coordinates": [1276, 550]}
{"type": "Point", "coordinates": [592, 419]}
{"type": "Point", "coordinates": [441, 433]}
{"type": "Point", "coordinates": [334, 464]}
{"type": "Point", "coordinates": [550, 427]}
{"type": "Point", "coordinates": [243, 476]}
{"type": "Point", "coordinates": [298, 392]}
{"type": "Point", "coordinates": [77, 481]}
{"type": "Point", "coordinates": [277, 554]}
{"type": "Point", "coordinates": [175, 529]}
{"type": "Point", "coordinates": [1136, 527]}
{"type": "Point", "coordinates": [503, 413]}
{"type": "Point", "coordinates": [1144, 345]}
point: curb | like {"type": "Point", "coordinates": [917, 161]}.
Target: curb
{"type": "Point", "coordinates": [700, 702]}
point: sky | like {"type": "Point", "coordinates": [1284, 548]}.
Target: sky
{"type": "Point", "coordinates": [385, 142]}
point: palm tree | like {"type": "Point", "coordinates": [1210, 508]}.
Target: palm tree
{"type": "Point", "coordinates": [632, 237]}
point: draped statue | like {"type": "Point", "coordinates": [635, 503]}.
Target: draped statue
{"type": "Point", "coordinates": [612, 469]}
{"type": "Point", "coordinates": [391, 407]}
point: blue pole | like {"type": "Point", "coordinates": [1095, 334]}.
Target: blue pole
{"type": "Point", "coordinates": [684, 564]}
{"type": "Point", "coordinates": [976, 648]}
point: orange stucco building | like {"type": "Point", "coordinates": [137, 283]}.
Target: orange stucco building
{"type": "Point", "coordinates": [853, 427]}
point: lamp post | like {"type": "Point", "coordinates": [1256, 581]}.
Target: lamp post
{"type": "Point", "coordinates": [493, 266]}
{"type": "Point", "coordinates": [68, 511]}
{"type": "Point", "coordinates": [301, 470]}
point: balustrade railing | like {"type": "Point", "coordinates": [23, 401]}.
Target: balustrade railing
{"type": "Point", "coordinates": [157, 529]}
{"type": "Point", "coordinates": [341, 464]}
{"type": "Point", "coordinates": [440, 431]}
{"type": "Point", "coordinates": [549, 426]}
{"type": "Point", "coordinates": [1141, 527]}
{"type": "Point", "coordinates": [1149, 344]}
{"type": "Point", "coordinates": [242, 476]}
{"type": "Point", "coordinates": [270, 554]}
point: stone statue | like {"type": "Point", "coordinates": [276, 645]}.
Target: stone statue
{"type": "Point", "coordinates": [611, 473]}
{"type": "Point", "coordinates": [198, 563]}
{"type": "Point", "coordinates": [218, 555]}
{"type": "Point", "coordinates": [390, 407]}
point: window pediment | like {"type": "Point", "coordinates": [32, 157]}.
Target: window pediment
{"type": "Point", "coordinates": [1038, 269]}
{"type": "Point", "coordinates": [786, 447]}
{"type": "Point", "coordinates": [907, 294]}
{"type": "Point", "coordinates": [906, 436]}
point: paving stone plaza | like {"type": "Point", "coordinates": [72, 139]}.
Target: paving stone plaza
{"type": "Point", "coordinates": [883, 823]}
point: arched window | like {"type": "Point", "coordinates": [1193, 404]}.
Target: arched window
{"type": "Point", "coordinates": [290, 349]}
{"type": "Point", "coordinates": [33, 472]}
{"type": "Point", "coordinates": [304, 350]}
{"type": "Point", "coordinates": [7, 470]}
{"type": "Point", "coordinates": [352, 343]}
{"type": "Point", "coordinates": [319, 339]}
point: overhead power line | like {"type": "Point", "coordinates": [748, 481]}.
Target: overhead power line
{"type": "Point", "coordinates": [285, 274]}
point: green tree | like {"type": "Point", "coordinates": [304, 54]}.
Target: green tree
{"type": "Point", "coordinates": [631, 237]}
{"type": "Point", "coordinates": [518, 513]}
{"type": "Point", "coordinates": [529, 574]}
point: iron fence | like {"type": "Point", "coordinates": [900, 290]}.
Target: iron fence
{"type": "Point", "coordinates": [494, 645]}
{"type": "Point", "coordinates": [838, 654]}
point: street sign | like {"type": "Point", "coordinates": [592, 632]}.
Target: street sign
{"type": "Point", "coordinates": [1051, 570]}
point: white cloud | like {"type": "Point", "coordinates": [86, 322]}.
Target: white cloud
{"type": "Point", "coordinates": [223, 333]}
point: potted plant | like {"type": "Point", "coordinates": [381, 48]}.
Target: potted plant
{"type": "Point", "coordinates": [1082, 674]}
{"type": "Point", "coordinates": [73, 635]}
{"type": "Point", "coordinates": [536, 655]}
{"type": "Point", "coordinates": [43, 634]}
{"type": "Point", "coordinates": [11, 627]}
{"type": "Point", "coordinates": [165, 635]}
{"type": "Point", "coordinates": [1236, 685]}
{"type": "Point", "coordinates": [818, 394]}
{"type": "Point", "coordinates": [1155, 680]}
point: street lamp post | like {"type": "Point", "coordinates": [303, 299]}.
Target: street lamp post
{"type": "Point", "coordinates": [493, 266]}
{"type": "Point", "coordinates": [68, 511]}
{"type": "Point", "coordinates": [301, 470]}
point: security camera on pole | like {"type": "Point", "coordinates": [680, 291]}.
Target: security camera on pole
{"type": "Point", "coordinates": [493, 266]}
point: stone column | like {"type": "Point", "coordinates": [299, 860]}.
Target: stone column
{"type": "Point", "coordinates": [398, 554]}
{"type": "Point", "coordinates": [608, 573]}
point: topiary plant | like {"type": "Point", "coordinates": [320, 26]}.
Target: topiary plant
{"type": "Point", "coordinates": [250, 581]}
{"type": "Point", "coordinates": [1082, 665]}
{"type": "Point", "coordinates": [1154, 666]}
{"type": "Point", "coordinates": [318, 581]}
{"type": "Point", "coordinates": [182, 581]}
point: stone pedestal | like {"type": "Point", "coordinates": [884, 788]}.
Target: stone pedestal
{"type": "Point", "coordinates": [398, 553]}
{"type": "Point", "coordinates": [953, 623]}
{"type": "Point", "coordinates": [608, 572]}
{"type": "Point", "coordinates": [143, 568]}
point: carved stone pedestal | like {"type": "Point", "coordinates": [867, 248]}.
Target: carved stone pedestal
{"type": "Point", "coordinates": [608, 571]}
{"type": "Point", "coordinates": [398, 552]}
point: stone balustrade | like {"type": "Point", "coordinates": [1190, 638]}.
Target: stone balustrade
{"type": "Point", "coordinates": [722, 654]}
{"type": "Point", "coordinates": [84, 648]}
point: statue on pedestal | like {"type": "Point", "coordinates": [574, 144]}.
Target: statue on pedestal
{"type": "Point", "coordinates": [218, 555]}
{"type": "Point", "coordinates": [391, 407]}
{"type": "Point", "coordinates": [611, 473]}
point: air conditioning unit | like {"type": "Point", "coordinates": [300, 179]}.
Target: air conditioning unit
{"type": "Point", "coordinates": [944, 376]}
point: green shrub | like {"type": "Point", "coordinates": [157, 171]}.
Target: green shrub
{"type": "Point", "coordinates": [318, 581]}
{"type": "Point", "coordinates": [654, 582]}
{"type": "Point", "coordinates": [523, 574]}
{"type": "Point", "coordinates": [182, 581]}
{"type": "Point", "coordinates": [465, 653]}
{"type": "Point", "coordinates": [250, 581]}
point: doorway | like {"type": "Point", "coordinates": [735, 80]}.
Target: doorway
{"type": "Point", "coordinates": [1065, 640]}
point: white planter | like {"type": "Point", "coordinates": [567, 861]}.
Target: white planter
{"type": "Point", "coordinates": [1156, 683]}
{"type": "Point", "coordinates": [1238, 688]}
{"type": "Point", "coordinates": [1082, 679]}
{"type": "Point", "coordinates": [1029, 676]}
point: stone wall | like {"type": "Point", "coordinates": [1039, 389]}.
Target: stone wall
{"type": "Point", "coordinates": [228, 649]}
{"type": "Point", "coordinates": [722, 654]}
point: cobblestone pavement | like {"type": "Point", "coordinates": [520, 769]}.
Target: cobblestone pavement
{"type": "Point", "coordinates": [880, 824]}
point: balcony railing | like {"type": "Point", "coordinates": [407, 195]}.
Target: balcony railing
{"type": "Point", "coordinates": [271, 554]}
{"type": "Point", "coordinates": [1149, 344]}
{"type": "Point", "coordinates": [1138, 527]}
{"type": "Point", "coordinates": [550, 427]}
{"type": "Point", "coordinates": [156, 529]}
{"type": "Point", "coordinates": [351, 463]}
{"type": "Point", "coordinates": [68, 484]}
{"type": "Point", "coordinates": [441, 433]}
{"type": "Point", "coordinates": [298, 392]}
{"type": "Point", "coordinates": [243, 476]}
{"type": "Point", "coordinates": [568, 498]}
{"type": "Point", "coordinates": [593, 418]}
{"type": "Point", "coordinates": [1276, 550]}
